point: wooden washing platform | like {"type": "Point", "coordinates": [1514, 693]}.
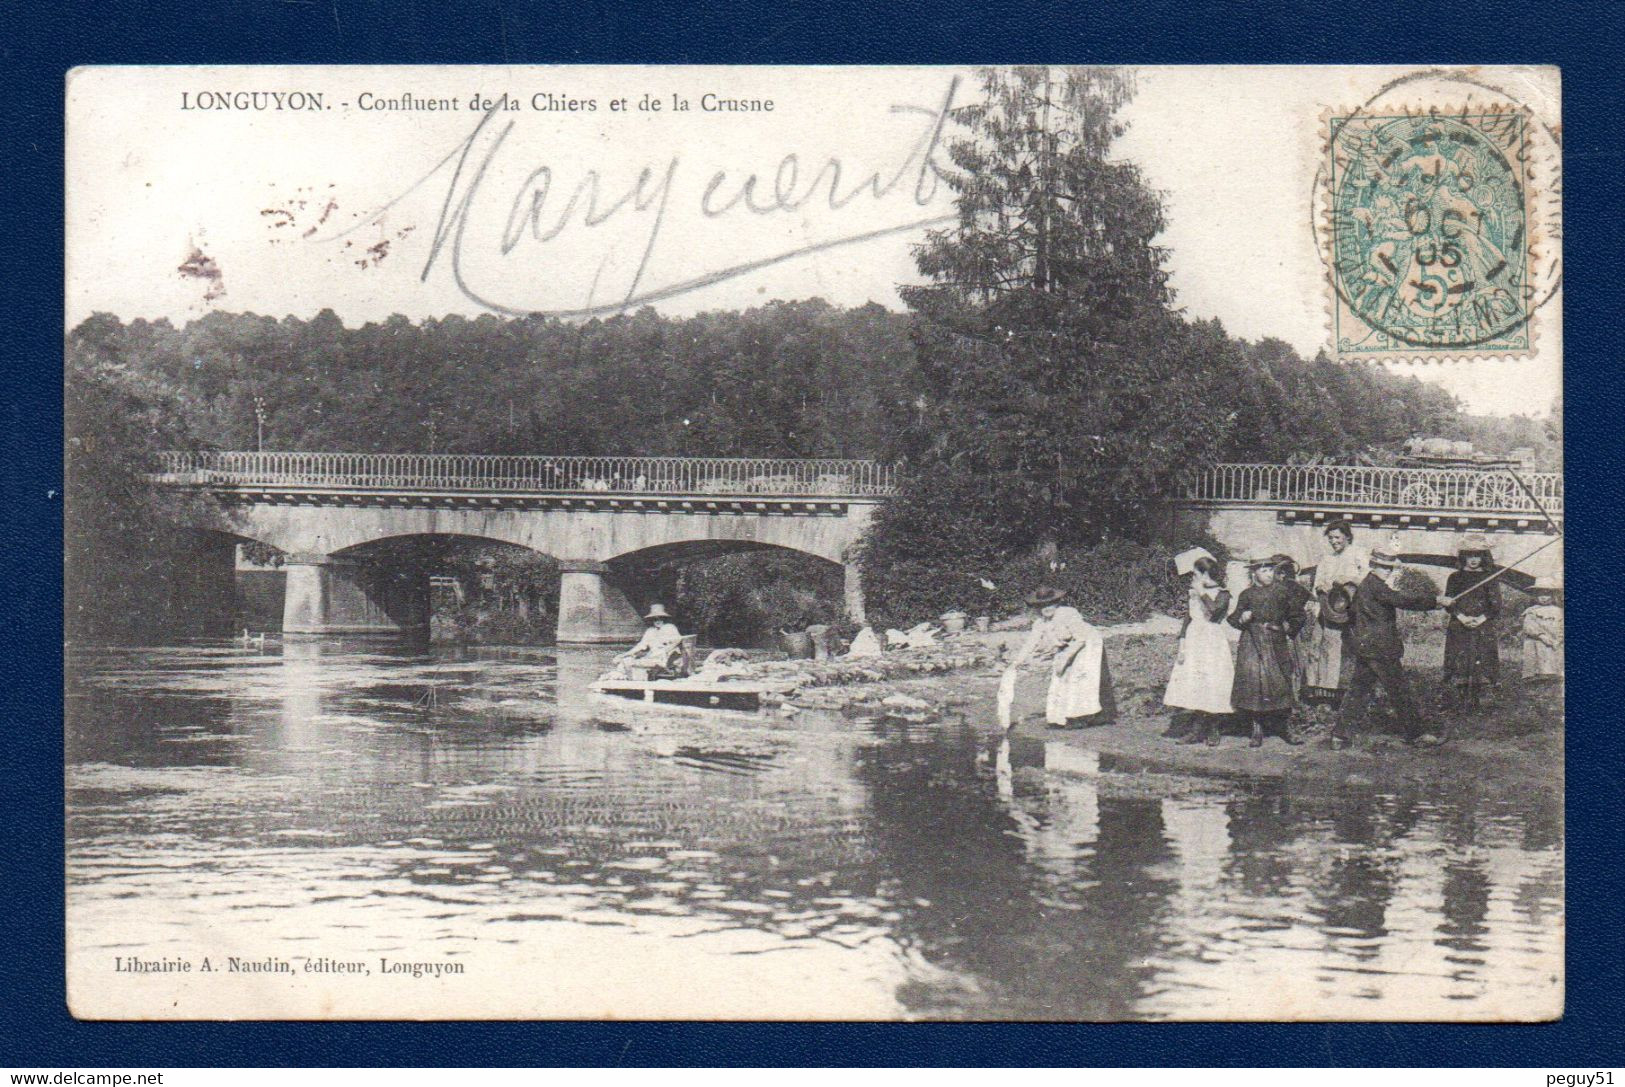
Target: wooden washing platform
{"type": "Point", "coordinates": [687, 694]}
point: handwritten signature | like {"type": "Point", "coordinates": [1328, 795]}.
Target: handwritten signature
{"type": "Point", "coordinates": [545, 209]}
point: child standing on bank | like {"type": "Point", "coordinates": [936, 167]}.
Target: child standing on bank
{"type": "Point", "coordinates": [1543, 633]}
{"type": "Point", "coordinates": [1269, 616]}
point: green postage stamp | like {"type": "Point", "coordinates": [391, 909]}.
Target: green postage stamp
{"type": "Point", "coordinates": [1434, 233]}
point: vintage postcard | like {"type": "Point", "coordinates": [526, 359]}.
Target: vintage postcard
{"type": "Point", "coordinates": [1020, 543]}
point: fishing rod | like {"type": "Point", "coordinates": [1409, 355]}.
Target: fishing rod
{"type": "Point", "coordinates": [1504, 569]}
{"type": "Point", "coordinates": [1550, 520]}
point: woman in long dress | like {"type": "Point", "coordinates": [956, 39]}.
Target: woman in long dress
{"type": "Point", "coordinates": [1472, 660]}
{"type": "Point", "coordinates": [1080, 691]}
{"type": "Point", "coordinates": [1205, 669]}
{"type": "Point", "coordinates": [1325, 647]}
{"type": "Point", "coordinates": [1269, 617]}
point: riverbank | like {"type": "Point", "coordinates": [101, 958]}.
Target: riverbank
{"type": "Point", "coordinates": [1513, 740]}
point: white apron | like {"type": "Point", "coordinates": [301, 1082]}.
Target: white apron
{"type": "Point", "coordinates": [1322, 647]}
{"type": "Point", "coordinates": [1075, 691]}
{"type": "Point", "coordinates": [1205, 669]}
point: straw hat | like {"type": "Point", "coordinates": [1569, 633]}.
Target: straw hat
{"type": "Point", "coordinates": [1381, 557]}
{"type": "Point", "coordinates": [657, 611]}
{"type": "Point", "coordinates": [1547, 585]}
{"type": "Point", "coordinates": [1474, 544]}
{"type": "Point", "coordinates": [1046, 595]}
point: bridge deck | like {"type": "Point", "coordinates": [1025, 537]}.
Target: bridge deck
{"type": "Point", "coordinates": [648, 482]}
{"type": "Point", "coordinates": [1425, 492]}
{"type": "Point", "coordinates": [356, 476]}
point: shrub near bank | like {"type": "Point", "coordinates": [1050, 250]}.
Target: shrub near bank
{"type": "Point", "coordinates": [1114, 581]}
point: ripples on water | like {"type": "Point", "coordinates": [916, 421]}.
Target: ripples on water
{"type": "Point", "coordinates": [334, 800]}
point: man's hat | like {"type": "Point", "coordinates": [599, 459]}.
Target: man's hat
{"type": "Point", "coordinates": [1547, 585]}
{"type": "Point", "coordinates": [1474, 544]}
{"type": "Point", "coordinates": [1339, 606]}
{"type": "Point", "coordinates": [657, 611]}
{"type": "Point", "coordinates": [1185, 561]}
{"type": "Point", "coordinates": [1382, 557]}
{"type": "Point", "coordinates": [1046, 595]}
{"type": "Point", "coordinates": [1254, 561]}
{"type": "Point", "coordinates": [1281, 558]}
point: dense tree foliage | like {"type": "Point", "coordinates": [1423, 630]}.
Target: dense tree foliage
{"type": "Point", "coordinates": [1061, 400]}
{"type": "Point", "coordinates": [788, 379]}
{"type": "Point", "coordinates": [791, 379]}
{"type": "Point", "coordinates": [121, 551]}
{"type": "Point", "coordinates": [1049, 366]}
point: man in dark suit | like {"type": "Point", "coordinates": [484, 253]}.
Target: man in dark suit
{"type": "Point", "coordinates": [1377, 651]}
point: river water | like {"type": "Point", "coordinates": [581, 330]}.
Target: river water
{"type": "Point", "coordinates": [475, 811]}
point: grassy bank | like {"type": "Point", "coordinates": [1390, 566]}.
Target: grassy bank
{"type": "Point", "coordinates": [1515, 738]}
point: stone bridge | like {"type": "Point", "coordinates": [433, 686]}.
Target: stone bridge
{"type": "Point", "coordinates": [324, 510]}
{"type": "Point", "coordinates": [1285, 508]}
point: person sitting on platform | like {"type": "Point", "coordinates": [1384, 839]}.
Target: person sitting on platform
{"type": "Point", "coordinates": [657, 652]}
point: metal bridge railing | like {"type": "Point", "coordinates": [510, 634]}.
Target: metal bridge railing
{"type": "Point", "coordinates": [1361, 487]}
{"type": "Point", "coordinates": [481, 473]}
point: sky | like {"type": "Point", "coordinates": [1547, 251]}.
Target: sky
{"type": "Point", "coordinates": [176, 207]}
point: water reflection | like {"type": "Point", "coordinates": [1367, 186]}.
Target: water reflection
{"type": "Point", "coordinates": [345, 799]}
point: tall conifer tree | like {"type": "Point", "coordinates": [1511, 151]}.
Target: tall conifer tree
{"type": "Point", "coordinates": [1051, 367]}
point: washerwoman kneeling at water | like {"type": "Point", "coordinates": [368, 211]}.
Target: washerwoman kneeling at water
{"type": "Point", "coordinates": [1080, 689]}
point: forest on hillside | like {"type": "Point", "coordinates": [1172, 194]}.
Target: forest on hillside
{"type": "Point", "coordinates": [788, 379]}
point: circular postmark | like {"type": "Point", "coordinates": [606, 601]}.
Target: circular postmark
{"type": "Point", "coordinates": [1438, 210]}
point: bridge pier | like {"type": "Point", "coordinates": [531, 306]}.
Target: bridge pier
{"type": "Point", "coordinates": [329, 595]}
{"type": "Point", "coordinates": [592, 609]}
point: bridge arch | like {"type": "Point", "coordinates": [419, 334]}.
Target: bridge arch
{"type": "Point", "coordinates": [639, 563]}
{"type": "Point", "coordinates": [591, 514]}
{"type": "Point", "coordinates": [566, 534]}
{"type": "Point", "coordinates": [705, 548]}
{"type": "Point", "coordinates": [361, 550]}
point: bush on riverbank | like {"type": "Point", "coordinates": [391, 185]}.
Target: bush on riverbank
{"type": "Point", "coordinates": [745, 600]}
{"type": "Point", "coordinates": [1114, 581]}
{"type": "Point", "coordinates": [493, 594]}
